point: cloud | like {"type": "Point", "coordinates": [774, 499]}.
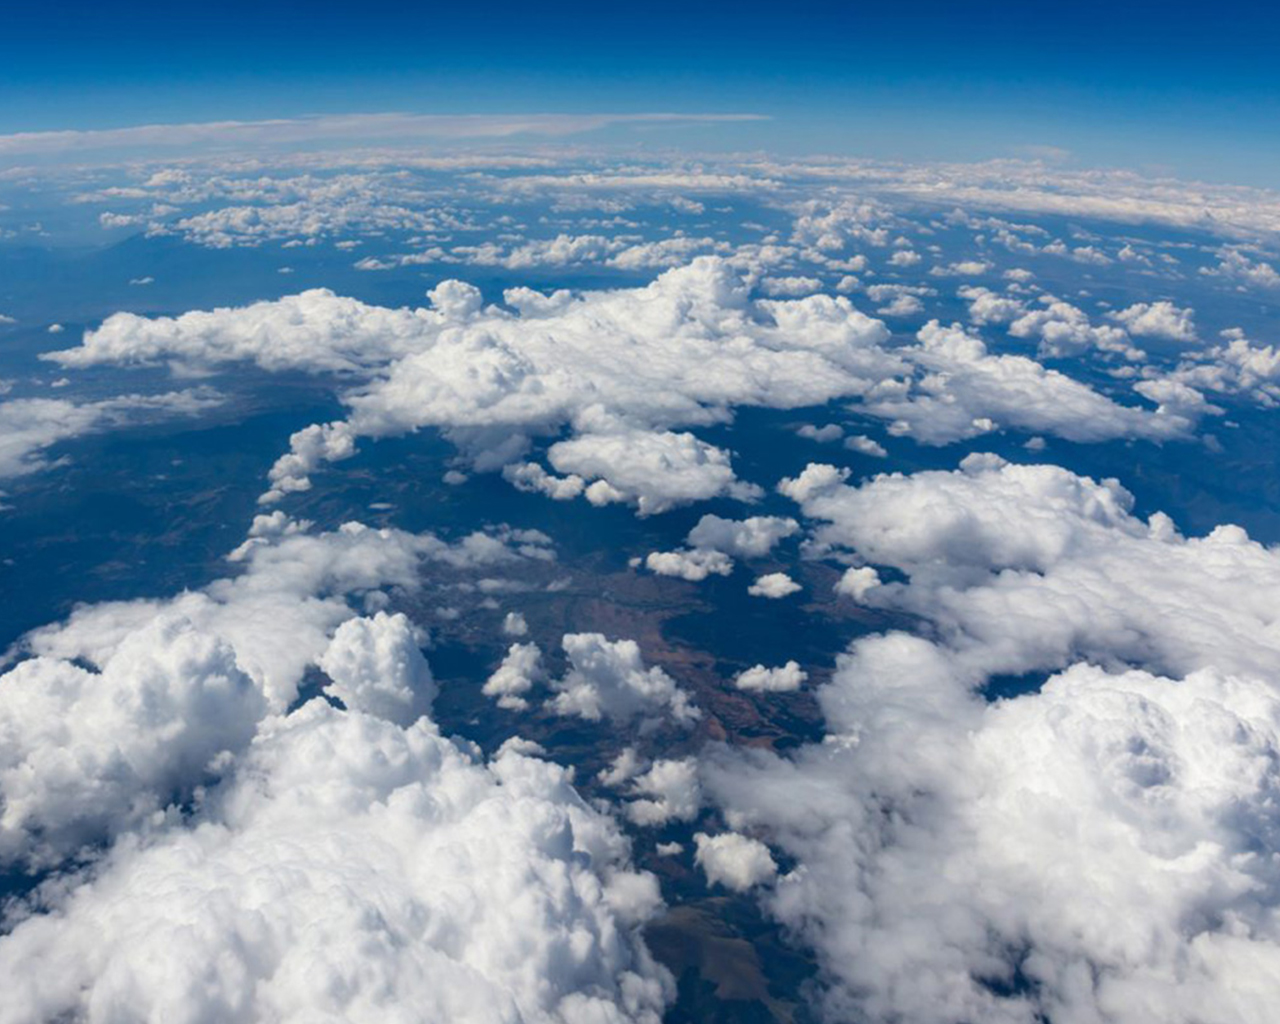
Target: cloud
{"type": "Point", "coordinates": [753, 537]}
{"type": "Point", "coordinates": [773, 585]}
{"type": "Point", "coordinates": [608, 679]}
{"type": "Point", "coordinates": [349, 869]}
{"type": "Point", "coordinates": [520, 671]}
{"type": "Point", "coordinates": [621, 369]}
{"type": "Point", "coordinates": [293, 582]}
{"type": "Point", "coordinates": [694, 566]}
{"type": "Point", "coordinates": [668, 791]}
{"type": "Point", "coordinates": [737, 862]}
{"type": "Point", "coordinates": [1025, 567]}
{"type": "Point", "coordinates": [1158, 320]}
{"type": "Point", "coordinates": [784, 679]}
{"type": "Point", "coordinates": [1064, 330]}
{"type": "Point", "coordinates": [86, 754]}
{"type": "Point", "coordinates": [1085, 852]}
{"type": "Point", "coordinates": [1234, 265]}
{"type": "Point", "coordinates": [333, 128]}
{"type": "Point", "coordinates": [375, 666]}
{"type": "Point", "coordinates": [970, 392]}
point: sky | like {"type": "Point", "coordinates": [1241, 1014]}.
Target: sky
{"type": "Point", "coordinates": [1166, 87]}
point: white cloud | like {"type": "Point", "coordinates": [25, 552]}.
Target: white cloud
{"type": "Point", "coordinates": [608, 679]}
{"type": "Point", "coordinates": [753, 537]}
{"type": "Point", "coordinates": [858, 582]}
{"type": "Point", "coordinates": [1026, 567]}
{"type": "Point", "coordinates": [352, 869]}
{"type": "Point", "coordinates": [694, 566]}
{"type": "Point", "coordinates": [620, 369]}
{"type": "Point", "coordinates": [86, 754]}
{"type": "Point", "coordinates": [773, 585]}
{"type": "Point", "coordinates": [823, 435]}
{"type": "Point", "coordinates": [519, 672]}
{"type": "Point", "coordinates": [347, 128]}
{"type": "Point", "coordinates": [784, 679]}
{"type": "Point", "coordinates": [864, 445]}
{"type": "Point", "coordinates": [375, 666]}
{"type": "Point", "coordinates": [1158, 320]}
{"type": "Point", "coordinates": [1064, 330]}
{"type": "Point", "coordinates": [294, 583]}
{"type": "Point", "coordinates": [735, 861]}
{"type": "Point", "coordinates": [1087, 852]}
{"type": "Point", "coordinates": [668, 791]}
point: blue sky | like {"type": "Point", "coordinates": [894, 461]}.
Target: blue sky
{"type": "Point", "coordinates": [1159, 86]}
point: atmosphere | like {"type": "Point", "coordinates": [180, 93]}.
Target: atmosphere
{"type": "Point", "coordinates": [646, 514]}
{"type": "Point", "coordinates": [1140, 84]}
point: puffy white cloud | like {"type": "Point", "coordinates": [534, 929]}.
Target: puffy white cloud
{"type": "Point", "coordinates": [899, 299]}
{"type": "Point", "coordinates": [1026, 567]}
{"type": "Point", "coordinates": [1064, 330]}
{"type": "Point", "coordinates": [608, 679]}
{"type": "Point", "coordinates": [514, 624]}
{"type": "Point", "coordinates": [864, 445]}
{"type": "Point", "coordinates": [354, 870]}
{"type": "Point", "coordinates": [694, 566]}
{"type": "Point", "coordinates": [1158, 320]}
{"type": "Point", "coordinates": [519, 672]}
{"type": "Point", "coordinates": [735, 861]}
{"type": "Point", "coordinates": [668, 791]}
{"type": "Point", "coordinates": [988, 307]}
{"type": "Point", "coordinates": [968, 392]}
{"type": "Point", "coordinates": [1234, 265]}
{"type": "Point", "coordinates": [773, 585]}
{"type": "Point", "coordinates": [753, 537]}
{"type": "Point", "coordinates": [1239, 367]}
{"type": "Point", "coordinates": [790, 287]}
{"type": "Point", "coordinates": [655, 470]}
{"type": "Point", "coordinates": [823, 435]}
{"type": "Point", "coordinates": [86, 754]}
{"type": "Point", "coordinates": [963, 268]}
{"type": "Point", "coordinates": [858, 582]}
{"type": "Point", "coordinates": [1088, 852]}
{"type": "Point", "coordinates": [783, 679]}
{"type": "Point", "coordinates": [375, 666]}
{"type": "Point", "coordinates": [620, 369]}
{"type": "Point", "coordinates": [294, 583]}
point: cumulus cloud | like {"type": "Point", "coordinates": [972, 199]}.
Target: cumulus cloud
{"type": "Point", "coordinates": [668, 791]}
{"type": "Point", "coordinates": [1085, 852]}
{"type": "Point", "coordinates": [784, 679]}
{"type": "Point", "coordinates": [694, 566]}
{"type": "Point", "coordinates": [753, 537]}
{"type": "Point", "coordinates": [774, 585]}
{"type": "Point", "coordinates": [1064, 330]}
{"type": "Point", "coordinates": [1158, 320]}
{"type": "Point", "coordinates": [1031, 566]}
{"type": "Point", "coordinates": [350, 869]}
{"type": "Point", "coordinates": [969, 392]}
{"type": "Point", "coordinates": [520, 671]}
{"type": "Point", "coordinates": [608, 679]}
{"type": "Point", "coordinates": [621, 369]}
{"type": "Point", "coordinates": [735, 861]}
{"type": "Point", "coordinates": [293, 582]}
{"type": "Point", "coordinates": [88, 753]}
{"type": "Point", "coordinates": [375, 666]}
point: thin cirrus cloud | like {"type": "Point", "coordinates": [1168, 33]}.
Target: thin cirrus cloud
{"type": "Point", "coordinates": [345, 128]}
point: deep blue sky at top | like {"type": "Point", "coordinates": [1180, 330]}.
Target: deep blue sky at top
{"type": "Point", "coordinates": [1191, 87]}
